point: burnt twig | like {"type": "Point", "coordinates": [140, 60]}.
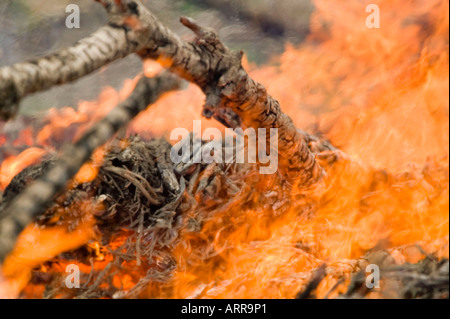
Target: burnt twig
{"type": "Point", "coordinates": [312, 285]}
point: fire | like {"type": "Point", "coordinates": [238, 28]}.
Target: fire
{"type": "Point", "coordinates": [15, 164]}
{"type": "Point", "coordinates": [89, 171]}
{"type": "Point", "coordinates": [36, 246]}
{"type": "Point", "coordinates": [379, 95]}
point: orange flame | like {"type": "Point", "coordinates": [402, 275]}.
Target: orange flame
{"type": "Point", "coordinates": [15, 164]}
{"type": "Point", "coordinates": [380, 95]}
{"type": "Point", "coordinates": [36, 246]}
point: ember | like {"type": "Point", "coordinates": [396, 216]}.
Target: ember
{"type": "Point", "coordinates": [358, 206]}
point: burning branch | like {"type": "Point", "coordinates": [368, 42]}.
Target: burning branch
{"type": "Point", "coordinates": [230, 91]}
{"type": "Point", "coordinates": [232, 97]}
{"type": "Point", "coordinates": [35, 198]}
{"type": "Point", "coordinates": [200, 230]}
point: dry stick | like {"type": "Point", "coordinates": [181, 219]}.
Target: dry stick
{"type": "Point", "coordinates": [314, 282]}
{"type": "Point", "coordinates": [67, 65]}
{"type": "Point", "coordinates": [232, 97]}
{"type": "Point", "coordinates": [35, 198]}
{"type": "Point", "coordinates": [133, 178]}
{"type": "Point", "coordinates": [109, 43]}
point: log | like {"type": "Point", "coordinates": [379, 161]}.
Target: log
{"type": "Point", "coordinates": [34, 199]}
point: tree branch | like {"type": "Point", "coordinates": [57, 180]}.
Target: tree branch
{"type": "Point", "coordinates": [232, 97]}
{"type": "Point", "coordinates": [34, 199]}
{"type": "Point", "coordinates": [114, 41]}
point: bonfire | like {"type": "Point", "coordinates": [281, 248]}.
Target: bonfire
{"type": "Point", "coordinates": [355, 121]}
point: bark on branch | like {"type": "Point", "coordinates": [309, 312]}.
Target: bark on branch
{"type": "Point", "coordinates": [114, 41]}
{"type": "Point", "coordinates": [232, 97]}
{"type": "Point", "coordinates": [35, 198]}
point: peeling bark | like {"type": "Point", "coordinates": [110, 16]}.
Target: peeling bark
{"type": "Point", "coordinates": [35, 198]}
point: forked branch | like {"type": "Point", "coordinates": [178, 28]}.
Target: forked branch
{"type": "Point", "coordinates": [232, 97]}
